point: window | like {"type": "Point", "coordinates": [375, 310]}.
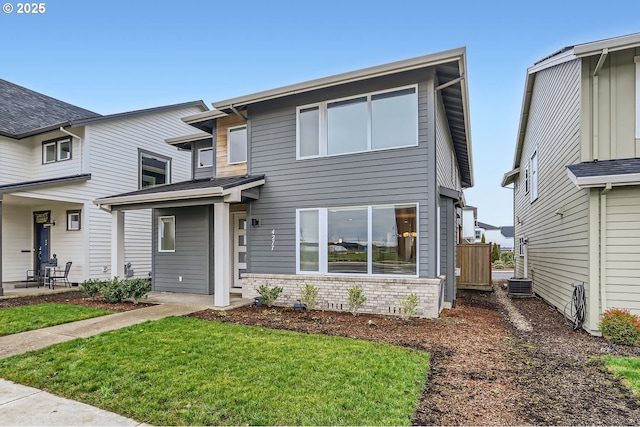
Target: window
{"type": "Point", "coordinates": [205, 157]}
{"type": "Point", "coordinates": [534, 176]}
{"type": "Point", "coordinates": [56, 150]}
{"type": "Point", "coordinates": [521, 246]}
{"type": "Point", "coordinates": [526, 181]}
{"type": "Point", "coordinates": [237, 144]}
{"type": "Point", "coordinates": [374, 121]}
{"type": "Point", "coordinates": [154, 169]}
{"type": "Point", "coordinates": [167, 234]}
{"type": "Point", "coordinates": [73, 220]}
{"type": "Point", "coordinates": [367, 240]}
{"type": "Point", "coordinates": [478, 234]}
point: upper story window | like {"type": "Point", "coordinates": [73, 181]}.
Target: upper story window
{"type": "Point", "coordinates": [205, 157]}
{"type": "Point", "coordinates": [374, 121]}
{"type": "Point", "coordinates": [154, 169]}
{"type": "Point", "coordinates": [534, 176]}
{"type": "Point", "coordinates": [56, 150]}
{"type": "Point", "coordinates": [237, 144]}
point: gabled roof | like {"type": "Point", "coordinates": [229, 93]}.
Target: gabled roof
{"type": "Point", "coordinates": [569, 53]}
{"type": "Point", "coordinates": [605, 172]}
{"type": "Point", "coordinates": [24, 112]}
{"type": "Point", "coordinates": [451, 70]}
{"type": "Point", "coordinates": [507, 231]}
{"type": "Point", "coordinates": [487, 226]}
{"type": "Point", "coordinates": [137, 113]}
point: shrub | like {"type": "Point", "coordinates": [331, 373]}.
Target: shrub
{"type": "Point", "coordinates": [113, 290]}
{"type": "Point", "coordinates": [495, 253]}
{"type": "Point", "coordinates": [91, 287]}
{"type": "Point", "coordinates": [309, 296]}
{"type": "Point", "coordinates": [510, 264]}
{"type": "Point", "coordinates": [409, 307]}
{"type": "Point", "coordinates": [620, 326]}
{"type": "Point", "coordinates": [356, 299]}
{"type": "Point", "coordinates": [269, 295]}
{"type": "Point", "coordinates": [483, 239]}
{"type": "Point", "coordinates": [506, 256]}
{"type": "Point", "coordinates": [498, 265]}
{"type": "Point", "coordinates": [136, 289]}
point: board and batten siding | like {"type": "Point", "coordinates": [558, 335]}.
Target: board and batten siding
{"type": "Point", "coordinates": [558, 245]}
{"type": "Point", "coordinates": [193, 257]}
{"type": "Point", "coordinates": [622, 249]}
{"type": "Point", "coordinates": [389, 176]}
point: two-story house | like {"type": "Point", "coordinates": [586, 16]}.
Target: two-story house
{"type": "Point", "coordinates": [57, 158]}
{"type": "Point", "coordinates": [575, 177]}
{"type": "Point", "coordinates": [349, 180]}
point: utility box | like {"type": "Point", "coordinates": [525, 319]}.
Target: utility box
{"type": "Point", "coordinates": [518, 287]}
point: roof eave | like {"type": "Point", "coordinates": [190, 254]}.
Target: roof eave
{"type": "Point", "coordinates": [604, 180]}
{"type": "Point", "coordinates": [612, 45]}
{"type": "Point", "coordinates": [136, 113]}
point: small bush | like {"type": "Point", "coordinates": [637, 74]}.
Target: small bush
{"type": "Point", "coordinates": [356, 299]}
{"type": "Point", "coordinates": [620, 326]}
{"type": "Point", "coordinates": [269, 295]}
{"type": "Point", "coordinates": [506, 256]}
{"type": "Point", "coordinates": [498, 265]}
{"type": "Point", "coordinates": [495, 253]}
{"type": "Point", "coordinates": [91, 287]}
{"type": "Point", "coordinates": [509, 264]}
{"type": "Point", "coordinates": [136, 289]}
{"type": "Point", "coordinates": [409, 307]}
{"type": "Point", "coordinates": [309, 296]}
{"type": "Point", "coordinates": [114, 290]}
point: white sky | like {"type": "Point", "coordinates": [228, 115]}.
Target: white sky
{"type": "Point", "coordinates": [121, 55]}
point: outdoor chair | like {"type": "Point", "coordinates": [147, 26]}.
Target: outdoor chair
{"type": "Point", "coordinates": [64, 276]}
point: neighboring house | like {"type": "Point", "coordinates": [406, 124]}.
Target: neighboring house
{"type": "Point", "coordinates": [353, 179]}
{"type": "Point", "coordinates": [57, 158]}
{"type": "Point", "coordinates": [502, 236]}
{"type": "Point", "coordinates": [576, 176]}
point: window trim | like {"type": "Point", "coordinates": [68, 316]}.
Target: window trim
{"type": "Point", "coordinates": [169, 160]}
{"type": "Point", "coordinates": [74, 212]}
{"type": "Point", "coordinates": [323, 226]}
{"type": "Point", "coordinates": [56, 155]}
{"type": "Point", "coordinates": [323, 123]}
{"type": "Point", "coordinates": [173, 219]}
{"type": "Point", "coordinates": [200, 150]}
{"type": "Point", "coordinates": [521, 244]}
{"type": "Point", "coordinates": [533, 175]}
{"type": "Point", "coordinates": [229, 130]}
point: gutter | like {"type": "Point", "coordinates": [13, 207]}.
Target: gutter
{"type": "Point", "coordinates": [595, 104]}
{"type": "Point", "coordinates": [73, 135]}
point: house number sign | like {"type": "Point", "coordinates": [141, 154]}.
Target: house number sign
{"type": "Point", "coordinates": [273, 239]}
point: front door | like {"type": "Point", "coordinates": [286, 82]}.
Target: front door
{"type": "Point", "coordinates": [239, 247]}
{"type": "Point", "coordinates": [42, 239]}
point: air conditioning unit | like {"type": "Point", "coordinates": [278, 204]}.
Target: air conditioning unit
{"type": "Point", "coordinates": [519, 287]}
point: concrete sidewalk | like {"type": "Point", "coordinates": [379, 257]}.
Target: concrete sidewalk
{"type": "Point", "coordinates": [26, 406]}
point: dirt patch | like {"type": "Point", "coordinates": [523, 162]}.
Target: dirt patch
{"type": "Point", "coordinates": [74, 298]}
{"type": "Point", "coordinates": [484, 371]}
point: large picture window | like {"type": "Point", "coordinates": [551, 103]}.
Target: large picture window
{"type": "Point", "coordinates": [365, 240]}
{"type": "Point", "coordinates": [154, 169]}
{"type": "Point", "coordinates": [167, 234]}
{"type": "Point", "coordinates": [374, 121]}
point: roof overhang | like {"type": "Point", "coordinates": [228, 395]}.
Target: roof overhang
{"type": "Point", "coordinates": [604, 180]}
{"type": "Point", "coordinates": [510, 177]}
{"type": "Point", "coordinates": [205, 120]}
{"type": "Point", "coordinates": [184, 141]}
{"type": "Point", "coordinates": [613, 44]}
{"type": "Point", "coordinates": [43, 183]}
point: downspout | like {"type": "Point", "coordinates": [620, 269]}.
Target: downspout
{"type": "Point", "coordinates": [596, 116]}
{"type": "Point", "coordinates": [63, 130]}
{"type": "Point", "coordinates": [603, 247]}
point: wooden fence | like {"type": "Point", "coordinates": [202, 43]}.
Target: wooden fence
{"type": "Point", "coordinates": [474, 262]}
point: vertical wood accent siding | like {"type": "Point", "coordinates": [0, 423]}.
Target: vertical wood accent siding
{"type": "Point", "coordinates": [378, 177]}
{"type": "Point", "coordinates": [558, 245]}
{"type": "Point", "coordinates": [223, 168]}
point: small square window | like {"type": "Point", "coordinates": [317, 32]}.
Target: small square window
{"type": "Point", "coordinates": [205, 157]}
{"type": "Point", "coordinates": [64, 149]}
{"type": "Point", "coordinates": [154, 169]}
{"type": "Point", "coordinates": [73, 220]}
{"type": "Point", "coordinates": [49, 152]}
{"type": "Point", "coordinates": [56, 150]}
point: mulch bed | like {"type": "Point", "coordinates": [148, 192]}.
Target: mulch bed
{"type": "Point", "coordinates": [483, 370]}
{"type": "Point", "coordinates": [72, 297]}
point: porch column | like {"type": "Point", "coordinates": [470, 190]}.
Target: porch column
{"type": "Point", "coordinates": [1, 289]}
{"type": "Point", "coordinates": [117, 243]}
{"type": "Point", "coordinates": [221, 257]}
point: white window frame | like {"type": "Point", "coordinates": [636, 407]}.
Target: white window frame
{"type": "Point", "coordinates": [229, 130]}
{"type": "Point", "coordinates": [323, 257]}
{"type": "Point", "coordinates": [149, 154]}
{"type": "Point", "coordinates": [56, 143]}
{"type": "Point", "coordinates": [533, 190]}
{"type": "Point", "coordinates": [59, 150]}
{"type": "Point", "coordinates": [161, 223]}
{"type": "Point", "coordinates": [323, 123]}
{"type": "Point", "coordinates": [71, 213]}
{"type": "Point", "coordinates": [200, 150]}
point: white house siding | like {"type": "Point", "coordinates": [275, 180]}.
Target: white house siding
{"type": "Point", "coordinates": [15, 160]}
{"type": "Point", "coordinates": [16, 236]}
{"type": "Point", "coordinates": [557, 244]}
{"type": "Point", "coordinates": [40, 170]}
{"type": "Point", "coordinates": [623, 251]}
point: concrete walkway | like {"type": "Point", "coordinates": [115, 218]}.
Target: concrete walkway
{"type": "Point", "coordinates": [26, 406]}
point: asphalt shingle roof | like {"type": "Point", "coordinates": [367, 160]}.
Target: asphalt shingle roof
{"type": "Point", "coordinates": [606, 168]}
{"type": "Point", "coordinates": [24, 112]}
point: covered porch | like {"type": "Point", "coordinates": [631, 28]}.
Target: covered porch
{"type": "Point", "coordinates": [193, 233]}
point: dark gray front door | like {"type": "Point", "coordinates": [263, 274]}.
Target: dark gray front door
{"type": "Point", "coordinates": [42, 237]}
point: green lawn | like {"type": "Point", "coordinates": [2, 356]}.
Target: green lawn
{"type": "Point", "coordinates": [184, 371]}
{"type": "Point", "coordinates": [28, 318]}
{"type": "Point", "coordinates": [628, 368]}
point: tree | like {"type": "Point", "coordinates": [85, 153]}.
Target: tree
{"type": "Point", "coordinates": [483, 240]}
{"type": "Point", "coordinates": [495, 253]}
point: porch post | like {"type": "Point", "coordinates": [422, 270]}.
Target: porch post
{"type": "Point", "coordinates": [1, 289]}
{"type": "Point", "coordinates": [221, 258]}
{"type": "Point", "coordinates": [117, 243]}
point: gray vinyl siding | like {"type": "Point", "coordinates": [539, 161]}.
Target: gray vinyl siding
{"type": "Point", "coordinates": [446, 164]}
{"type": "Point", "coordinates": [558, 245]}
{"type": "Point", "coordinates": [193, 256]}
{"type": "Point", "coordinates": [391, 176]}
{"type": "Point", "coordinates": [447, 247]}
{"type": "Point", "coordinates": [205, 172]}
